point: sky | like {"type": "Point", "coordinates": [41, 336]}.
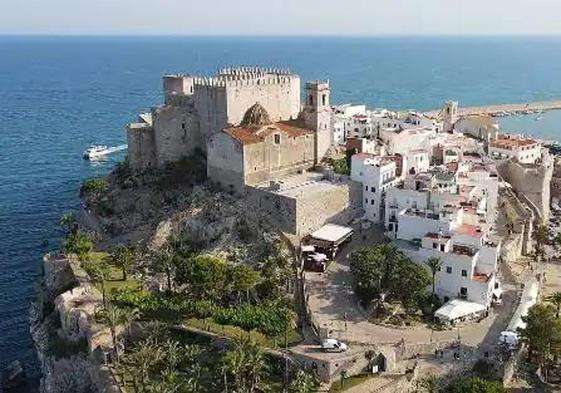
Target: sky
{"type": "Point", "coordinates": [281, 17]}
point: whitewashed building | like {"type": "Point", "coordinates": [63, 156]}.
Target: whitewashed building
{"type": "Point", "coordinates": [524, 150]}
{"type": "Point", "coordinates": [376, 174]}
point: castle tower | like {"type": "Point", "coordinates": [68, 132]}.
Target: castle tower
{"type": "Point", "coordinates": [449, 115]}
{"type": "Point", "coordinates": [177, 88]}
{"type": "Point", "coordinates": [317, 115]}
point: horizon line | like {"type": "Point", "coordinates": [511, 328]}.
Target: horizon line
{"type": "Point", "coordinates": [296, 35]}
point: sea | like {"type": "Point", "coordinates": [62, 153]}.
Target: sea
{"type": "Point", "coordinates": [59, 94]}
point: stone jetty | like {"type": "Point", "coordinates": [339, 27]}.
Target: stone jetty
{"type": "Point", "coordinates": [505, 109]}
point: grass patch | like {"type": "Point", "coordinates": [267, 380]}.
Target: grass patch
{"type": "Point", "coordinates": [115, 278]}
{"type": "Point", "coordinates": [233, 331]}
{"type": "Point", "coordinates": [350, 382]}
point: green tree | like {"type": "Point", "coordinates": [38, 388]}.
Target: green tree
{"type": "Point", "coordinates": [434, 265]}
{"type": "Point", "coordinates": [474, 385]}
{"type": "Point", "coordinates": [541, 236]}
{"type": "Point", "coordinates": [113, 317]}
{"type": "Point", "coordinates": [555, 299]}
{"type": "Point", "coordinates": [78, 243]}
{"type": "Point", "coordinates": [94, 186]}
{"type": "Point", "coordinates": [163, 262]}
{"type": "Point", "coordinates": [207, 277]}
{"type": "Point", "coordinates": [303, 382]}
{"type": "Point", "coordinates": [244, 280]}
{"type": "Point", "coordinates": [98, 272]}
{"type": "Point", "coordinates": [122, 257]}
{"type": "Point", "coordinates": [382, 269]}
{"type": "Point", "coordinates": [542, 333]}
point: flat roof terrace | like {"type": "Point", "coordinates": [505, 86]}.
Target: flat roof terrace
{"type": "Point", "coordinates": [297, 185]}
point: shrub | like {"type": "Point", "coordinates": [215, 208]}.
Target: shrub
{"type": "Point", "coordinates": [78, 243]}
{"type": "Point", "coordinates": [94, 186]}
{"type": "Point", "coordinates": [268, 319]}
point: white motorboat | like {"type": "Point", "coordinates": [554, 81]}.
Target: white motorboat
{"type": "Point", "coordinates": [97, 151]}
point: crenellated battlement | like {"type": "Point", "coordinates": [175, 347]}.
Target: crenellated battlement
{"type": "Point", "coordinates": [254, 71]}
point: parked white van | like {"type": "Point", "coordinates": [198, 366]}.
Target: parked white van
{"type": "Point", "coordinates": [333, 345]}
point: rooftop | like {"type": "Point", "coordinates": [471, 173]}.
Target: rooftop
{"type": "Point", "coordinates": [257, 133]}
{"type": "Point", "coordinates": [511, 142]}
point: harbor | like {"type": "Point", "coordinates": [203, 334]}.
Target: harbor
{"type": "Point", "coordinates": [500, 110]}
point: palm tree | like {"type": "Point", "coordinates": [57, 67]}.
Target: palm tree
{"type": "Point", "coordinates": [129, 316]}
{"type": "Point", "coordinates": [162, 262]}
{"type": "Point", "coordinates": [246, 362]}
{"type": "Point", "coordinates": [113, 316]}
{"type": "Point", "coordinates": [434, 264]}
{"type": "Point", "coordinates": [555, 299]}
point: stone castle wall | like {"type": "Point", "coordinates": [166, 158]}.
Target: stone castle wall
{"type": "Point", "coordinates": [335, 205]}
{"type": "Point", "coordinates": [225, 162]}
{"type": "Point", "coordinates": [176, 133]}
{"type": "Point", "coordinates": [141, 150]}
{"type": "Point", "coordinates": [532, 181]}
{"type": "Point", "coordinates": [268, 160]}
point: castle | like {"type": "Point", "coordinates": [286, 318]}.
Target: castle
{"type": "Point", "coordinates": [249, 121]}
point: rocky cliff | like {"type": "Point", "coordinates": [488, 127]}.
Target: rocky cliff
{"type": "Point", "coordinates": [70, 344]}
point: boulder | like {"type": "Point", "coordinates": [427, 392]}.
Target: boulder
{"type": "Point", "coordinates": [13, 375]}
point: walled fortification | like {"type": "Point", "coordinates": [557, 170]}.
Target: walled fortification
{"type": "Point", "coordinates": [532, 181]}
{"type": "Point", "coordinates": [197, 107]}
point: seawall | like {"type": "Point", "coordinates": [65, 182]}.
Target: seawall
{"type": "Point", "coordinates": [504, 108]}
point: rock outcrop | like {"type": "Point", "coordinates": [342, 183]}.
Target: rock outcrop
{"type": "Point", "coordinates": [68, 340]}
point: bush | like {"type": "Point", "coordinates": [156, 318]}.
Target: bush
{"type": "Point", "coordinates": [94, 186]}
{"type": "Point", "coordinates": [268, 319]}
{"type": "Point", "coordinates": [340, 166]}
{"type": "Point", "coordinates": [78, 243]}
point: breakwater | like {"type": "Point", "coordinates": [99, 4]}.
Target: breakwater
{"type": "Point", "coordinates": [505, 109]}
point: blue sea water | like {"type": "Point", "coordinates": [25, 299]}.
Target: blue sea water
{"type": "Point", "coordinates": [58, 94]}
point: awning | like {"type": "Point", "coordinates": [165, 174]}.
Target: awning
{"type": "Point", "coordinates": [308, 248]}
{"type": "Point", "coordinates": [457, 308]}
{"type": "Point", "coordinates": [332, 233]}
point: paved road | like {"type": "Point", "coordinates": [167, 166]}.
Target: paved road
{"type": "Point", "coordinates": [331, 297]}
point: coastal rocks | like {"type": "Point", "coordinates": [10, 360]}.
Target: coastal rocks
{"type": "Point", "coordinates": [58, 276]}
{"type": "Point", "coordinates": [12, 376]}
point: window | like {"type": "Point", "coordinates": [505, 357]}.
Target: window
{"type": "Point", "coordinates": [463, 291]}
{"type": "Point", "coordinates": [373, 189]}
{"type": "Point", "coordinates": [277, 139]}
{"type": "Point", "coordinates": [365, 188]}
{"type": "Point", "coordinates": [366, 201]}
{"type": "Point", "coordinates": [464, 273]}
{"type": "Point", "coordinates": [323, 99]}
{"type": "Point", "coordinates": [442, 247]}
{"type": "Point", "coordinates": [372, 201]}
{"type": "Point", "coordinates": [449, 269]}
{"type": "Point", "coordinates": [183, 126]}
{"type": "Point", "coordinates": [311, 99]}
{"type": "Point", "coordinates": [435, 245]}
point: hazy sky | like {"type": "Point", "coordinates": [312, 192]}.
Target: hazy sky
{"type": "Point", "coordinates": [282, 17]}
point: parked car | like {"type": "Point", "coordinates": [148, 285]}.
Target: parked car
{"type": "Point", "coordinates": [333, 345]}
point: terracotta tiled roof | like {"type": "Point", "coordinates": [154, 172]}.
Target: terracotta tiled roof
{"type": "Point", "coordinates": [249, 135]}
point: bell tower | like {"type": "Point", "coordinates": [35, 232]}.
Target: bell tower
{"type": "Point", "coordinates": [317, 115]}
